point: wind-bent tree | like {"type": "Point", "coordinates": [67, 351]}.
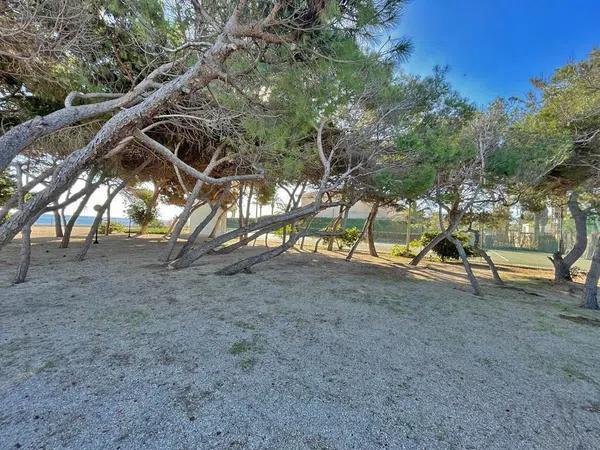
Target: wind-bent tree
{"type": "Point", "coordinates": [569, 104]}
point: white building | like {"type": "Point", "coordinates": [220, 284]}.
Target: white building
{"type": "Point", "coordinates": [216, 227]}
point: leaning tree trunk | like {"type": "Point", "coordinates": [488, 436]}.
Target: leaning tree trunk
{"type": "Point", "coordinates": [25, 252]}
{"type": "Point", "coordinates": [466, 264]}
{"type": "Point", "coordinates": [58, 231]}
{"type": "Point", "coordinates": [90, 188]}
{"type": "Point", "coordinates": [360, 236]}
{"type": "Point", "coordinates": [194, 235]}
{"type": "Point", "coordinates": [562, 265]}
{"type": "Point", "coordinates": [117, 127]}
{"type": "Point", "coordinates": [483, 254]}
{"type": "Point", "coordinates": [149, 207]}
{"type": "Point", "coordinates": [245, 264]}
{"type": "Point", "coordinates": [268, 223]}
{"type": "Point", "coordinates": [590, 292]}
{"type": "Point", "coordinates": [334, 227]}
{"type": "Point", "coordinates": [107, 229]}
{"type": "Point", "coordinates": [183, 218]}
{"type": "Point", "coordinates": [89, 238]}
{"type": "Point", "coordinates": [370, 233]}
{"type": "Point", "coordinates": [71, 223]}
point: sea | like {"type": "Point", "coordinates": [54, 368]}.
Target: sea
{"type": "Point", "coordinates": [48, 219]}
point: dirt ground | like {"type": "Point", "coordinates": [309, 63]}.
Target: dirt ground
{"type": "Point", "coordinates": [309, 352]}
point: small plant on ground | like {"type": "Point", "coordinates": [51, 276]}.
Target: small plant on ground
{"type": "Point", "coordinates": [115, 227]}
{"type": "Point", "coordinates": [401, 250]}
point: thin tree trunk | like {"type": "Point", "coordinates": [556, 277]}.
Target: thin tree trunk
{"type": "Point", "coordinates": [25, 251]}
{"type": "Point", "coordinates": [149, 207]}
{"type": "Point", "coordinates": [370, 234]}
{"type": "Point", "coordinates": [336, 223]}
{"type": "Point", "coordinates": [483, 254]}
{"type": "Point", "coordinates": [245, 264]}
{"type": "Point", "coordinates": [107, 230]}
{"type": "Point", "coordinates": [71, 223]}
{"type": "Point", "coordinates": [241, 208]}
{"type": "Point", "coordinates": [97, 221]}
{"type": "Point", "coordinates": [590, 291]}
{"type": "Point", "coordinates": [182, 220]}
{"type": "Point", "coordinates": [360, 236]}
{"type": "Point", "coordinates": [408, 223]}
{"type": "Point", "coordinates": [562, 265]}
{"type": "Point", "coordinates": [466, 264]}
{"type": "Point", "coordinates": [89, 238]}
{"type": "Point", "coordinates": [194, 234]}
{"type": "Point", "coordinates": [58, 231]}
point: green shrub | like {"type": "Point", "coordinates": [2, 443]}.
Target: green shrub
{"type": "Point", "coordinates": [446, 249]}
{"type": "Point", "coordinates": [288, 230]}
{"type": "Point", "coordinates": [115, 227]}
{"type": "Point", "coordinates": [349, 237]}
{"type": "Point", "coordinates": [401, 250]}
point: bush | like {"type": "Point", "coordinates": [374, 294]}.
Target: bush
{"type": "Point", "coordinates": [349, 237]}
{"type": "Point", "coordinates": [288, 230]}
{"type": "Point", "coordinates": [115, 227]}
{"type": "Point", "coordinates": [446, 249]}
{"type": "Point", "coordinates": [401, 250]}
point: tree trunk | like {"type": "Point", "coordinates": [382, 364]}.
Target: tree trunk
{"type": "Point", "coordinates": [97, 221]}
{"type": "Point", "coordinates": [107, 230]}
{"type": "Point", "coordinates": [590, 292]}
{"type": "Point", "coordinates": [466, 264]}
{"type": "Point", "coordinates": [194, 235]}
{"type": "Point", "coordinates": [149, 207]}
{"type": "Point", "coordinates": [245, 264]}
{"type": "Point", "coordinates": [562, 265]}
{"type": "Point", "coordinates": [58, 231]}
{"type": "Point", "coordinates": [265, 224]}
{"type": "Point", "coordinates": [435, 241]}
{"type": "Point", "coordinates": [370, 234]}
{"type": "Point", "coordinates": [241, 208]}
{"type": "Point", "coordinates": [360, 236]}
{"type": "Point", "coordinates": [71, 223]}
{"type": "Point", "coordinates": [25, 251]}
{"type": "Point", "coordinates": [182, 220]}
{"type": "Point", "coordinates": [116, 128]}
{"type": "Point", "coordinates": [89, 238]}
{"type": "Point", "coordinates": [408, 224]}
{"type": "Point", "coordinates": [334, 227]}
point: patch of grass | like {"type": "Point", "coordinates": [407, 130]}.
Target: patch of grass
{"type": "Point", "coordinates": [244, 325]}
{"type": "Point", "coordinates": [572, 372]}
{"type": "Point", "coordinates": [248, 363]}
{"type": "Point", "coordinates": [245, 345]}
{"type": "Point", "coordinates": [48, 366]}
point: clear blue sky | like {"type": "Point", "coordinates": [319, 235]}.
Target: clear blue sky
{"type": "Point", "coordinates": [494, 47]}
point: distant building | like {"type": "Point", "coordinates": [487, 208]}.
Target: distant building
{"type": "Point", "coordinates": [360, 210]}
{"type": "Point", "coordinates": [216, 227]}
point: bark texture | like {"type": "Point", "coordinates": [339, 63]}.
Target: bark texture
{"type": "Point", "coordinates": [590, 291]}
{"type": "Point", "coordinates": [563, 264]}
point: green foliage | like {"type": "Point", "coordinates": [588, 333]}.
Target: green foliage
{"type": "Point", "coordinates": [402, 250]}
{"type": "Point", "coordinates": [288, 230]}
{"type": "Point", "coordinates": [7, 186]}
{"type": "Point", "coordinates": [446, 249]}
{"type": "Point", "coordinates": [143, 208]}
{"type": "Point", "coordinates": [349, 237]}
{"type": "Point", "coordinates": [115, 227]}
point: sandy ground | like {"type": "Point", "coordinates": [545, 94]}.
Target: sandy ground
{"type": "Point", "coordinates": [308, 352]}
